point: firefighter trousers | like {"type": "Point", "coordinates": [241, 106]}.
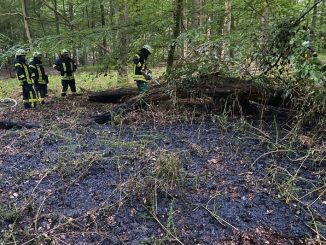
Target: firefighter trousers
{"type": "Point", "coordinates": [65, 84]}
{"type": "Point", "coordinates": [40, 90]}
{"type": "Point", "coordinates": [29, 96]}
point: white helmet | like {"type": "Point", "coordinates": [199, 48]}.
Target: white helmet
{"type": "Point", "coordinates": [148, 48]}
{"type": "Point", "coordinates": [65, 51]}
{"type": "Point", "coordinates": [20, 52]}
{"type": "Point", "coordinates": [306, 44]}
{"type": "Point", "coordinates": [37, 54]}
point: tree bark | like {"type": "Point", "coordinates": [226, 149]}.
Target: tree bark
{"type": "Point", "coordinates": [26, 25]}
{"type": "Point", "coordinates": [314, 20]}
{"type": "Point", "coordinates": [226, 53]}
{"type": "Point", "coordinates": [176, 33]}
{"type": "Point", "coordinates": [122, 44]}
{"type": "Point", "coordinates": [56, 16]}
{"type": "Point", "coordinates": [113, 96]}
{"type": "Point", "coordinates": [196, 14]}
{"type": "Point", "coordinates": [264, 23]}
{"type": "Point", "coordinates": [104, 44]}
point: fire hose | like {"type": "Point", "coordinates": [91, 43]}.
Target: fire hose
{"type": "Point", "coordinates": [7, 103]}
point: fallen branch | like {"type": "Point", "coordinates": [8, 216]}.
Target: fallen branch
{"type": "Point", "coordinates": [134, 103]}
{"type": "Point", "coordinates": [218, 218]}
{"type": "Point", "coordinates": [17, 125]}
{"type": "Point", "coordinates": [113, 96]}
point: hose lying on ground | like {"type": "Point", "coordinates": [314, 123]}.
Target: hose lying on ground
{"type": "Point", "coordinates": [7, 103]}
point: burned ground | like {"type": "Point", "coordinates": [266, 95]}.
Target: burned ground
{"type": "Point", "coordinates": [157, 177]}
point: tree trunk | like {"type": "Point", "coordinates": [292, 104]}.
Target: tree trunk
{"type": "Point", "coordinates": [26, 26]}
{"type": "Point", "coordinates": [176, 33]}
{"type": "Point", "coordinates": [56, 16]}
{"type": "Point", "coordinates": [212, 90]}
{"type": "Point", "coordinates": [103, 25]}
{"type": "Point", "coordinates": [226, 53]}
{"type": "Point", "coordinates": [122, 44]}
{"type": "Point", "coordinates": [185, 24]}
{"type": "Point", "coordinates": [196, 14]}
{"type": "Point", "coordinates": [323, 12]}
{"type": "Point", "coordinates": [314, 21]}
{"type": "Point", "coordinates": [264, 22]}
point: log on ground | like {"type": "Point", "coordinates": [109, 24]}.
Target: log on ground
{"type": "Point", "coordinates": [18, 125]}
{"type": "Point", "coordinates": [210, 89]}
{"type": "Point", "coordinates": [113, 96]}
{"type": "Point", "coordinates": [134, 103]}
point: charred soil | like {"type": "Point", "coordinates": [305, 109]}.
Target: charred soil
{"type": "Point", "coordinates": [159, 176]}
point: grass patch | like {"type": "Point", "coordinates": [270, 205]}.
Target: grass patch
{"type": "Point", "coordinates": [10, 214]}
{"type": "Point", "coordinates": [86, 78]}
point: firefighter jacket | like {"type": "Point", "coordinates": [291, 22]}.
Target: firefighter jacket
{"type": "Point", "coordinates": [37, 71]}
{"type": "Point", "coordinates": [67, 67]}
{"type": "Point", "coordinates": [22, 71]}
{"type": "Point", "coordinates": [139, 61]}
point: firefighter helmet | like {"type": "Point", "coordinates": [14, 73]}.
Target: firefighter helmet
{"type": "Point", "coordinates": [148, 48]}
{"type": "Point", "coordinates": [20, 52]}
{"type": "Point", "coordinates": [306, 44]}
{"type": "Point", "coordinates": [37, 54]}
{"type": "Point", "coordinates": [65, 51]}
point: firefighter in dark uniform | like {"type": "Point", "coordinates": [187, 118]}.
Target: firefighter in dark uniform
{"type": "Point", "coordinates": [39, 77]}
{"type": "Point", "coordinates": [24, 77]}
{"type": "Point", "coordinates": [67, 67]}
{"type": "Point", "coordinates": [140, 68]}
{"type": "Point", "coordinates": [310, 53]}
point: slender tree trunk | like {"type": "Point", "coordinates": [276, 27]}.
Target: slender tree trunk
{"type": "Point", "coordinates": [314, 21]}
{"type": "Point", "coordinates": [323, 12]}
{"type": "Point", "coordinates": [185, 24]}
{"type": "Point", "coordinates": [196, 14]}
{"type": "Point", "coordinates": [26, 26]}
{"type": "Point", "coordinates": [63, 7]}
{"type": "Point", "coordinates": [112, 12]}
{"type": "Point", "coordinates": [176, 33]}
{"type": "Point", "coordinates": [227, 29]}
{"type": "Point", "coordinates": [56, 16]}
{"type": "Point", "coordinates": [123, 44]}
{"type": "Point", "coordinates": [103, 25]}
{"type": "Point", "coordinates": [264, 21]}
{"type": "Point", "coordinates": [87, 17]}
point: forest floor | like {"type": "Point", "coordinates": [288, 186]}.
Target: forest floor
{"type": "Point", "coordinates": [161, 176]}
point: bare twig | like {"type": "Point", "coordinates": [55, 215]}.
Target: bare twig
{"type": "Point", "coordinates": [164, 228]}
{"type": "Point", "coordinates": [218, 218]}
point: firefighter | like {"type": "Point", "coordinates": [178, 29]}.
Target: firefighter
{"type": "Point", "coordinates": [141, 69]}
{"type": "Point", "coordinates": [310, 53]}
{"type": "Point", "coordinates": [24, 77]}
{"type": "Point", "coordinates": [38, 75]}
{"type": "Point", "coordinates": [67, 67]}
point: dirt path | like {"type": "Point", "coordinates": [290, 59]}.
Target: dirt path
{"type": "Point", "coordinates": [147, 182]}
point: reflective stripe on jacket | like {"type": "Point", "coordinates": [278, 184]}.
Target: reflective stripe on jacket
{"type": "Point", "coordinates": [22, 71]}
{"type": "Point", "coordinates": [139, 65]}
{"type": "Point", "coordinates": [67, 67]}
{"type": "Point", "coordinates": [37, 71]}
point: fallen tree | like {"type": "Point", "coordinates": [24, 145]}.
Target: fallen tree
{"type": "Point", "coordinates": [210, 90]}
{"type": "Point", "coordinates": [113, 96]}
{"type": "Point", "coordinates": [134, 103]}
